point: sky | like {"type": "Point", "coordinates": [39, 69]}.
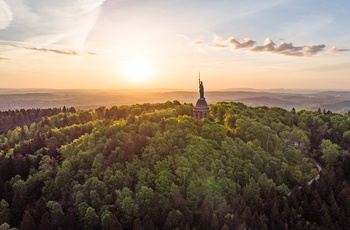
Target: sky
{"type": "Point", "coordinates": [148, 44]}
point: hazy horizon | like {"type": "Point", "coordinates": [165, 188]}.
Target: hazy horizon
{"type": "Point", "coordinates": [336, 101]}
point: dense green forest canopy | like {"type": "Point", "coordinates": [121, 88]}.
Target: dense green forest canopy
{"type": "Point", "coordinates": [153, 166]}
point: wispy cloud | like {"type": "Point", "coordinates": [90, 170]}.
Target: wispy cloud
{"type": "Point", "coordinates": [269, 46]}
{"type": "Point", "coordinates": [48, 48]}
{"type": "Point", "coordinates": [336, 50]}
{"type": "Point", "coordinates": [197, 42]}
{"type": "Point", "coordinates": [5, 15]}
{"type": "Point", "coordinates": [183, 36]}
{"type": "Point", "coordinates": [48, 26]}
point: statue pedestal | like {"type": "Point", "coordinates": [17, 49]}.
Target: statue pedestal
{"type": "Point", "coordinates": [201, 110]}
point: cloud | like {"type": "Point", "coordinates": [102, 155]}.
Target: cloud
{"type": "Point", "coordinates": [232, 42]}
{"type": "Point", "coordinates": [44, 23]}
{"type": "Point", "coordinates": [314, 49]}
{"type": "Point", "coordinates": [269, 46]}
{"type": "Point", "coordinates": [51, 48]}
{"type": "Point", "coordinates": [283, 48]}
{"type": "Point", "coordinates": [336, 50]}
{"type": "Point", "coordinates": [197, 42]}
{"type": "Point", "coordinates": [6, 15]}
{"type": "Point", "coordinates": [184, 36]}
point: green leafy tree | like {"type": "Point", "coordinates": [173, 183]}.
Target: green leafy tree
{"type": "Point", "coordinates": [194, 194]}
{"type": "Point", "coordinates": [127, 205]}
{"type": "Point", "coordinates": [144, 198]}
{"type": "Point", "coordinates": [57, 213]}
{"type": "Point", "coordinates": [4, 212]}
{"type": "Point", "coordinates": [106, 220]}
{"type": "Point", "coordinates": [91, 219]}
{"type": "Point", "coordinates": [5, 226]}
{"type": "Point", "coordinates": [330, 153]}
{"type": "Point", "coordinates": [174, 220]}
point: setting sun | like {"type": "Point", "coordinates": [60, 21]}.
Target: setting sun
{"type": "Point", "coordinates": [138, 69]}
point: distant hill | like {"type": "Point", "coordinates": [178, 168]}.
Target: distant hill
{"type": "Point", "coordinates": [336, 101]}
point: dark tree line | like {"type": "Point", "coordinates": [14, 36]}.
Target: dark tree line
{"type": "Point", "coordinates": [12, 118]}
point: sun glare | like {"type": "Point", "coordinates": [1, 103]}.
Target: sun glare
{"type": "Point", "coordinates": [138, 69]}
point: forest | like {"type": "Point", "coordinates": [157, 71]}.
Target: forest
{"type": "Point", "coordinates": [154, 166]}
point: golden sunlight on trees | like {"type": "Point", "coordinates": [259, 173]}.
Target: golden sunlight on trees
{"type": "Point", "coordinates": [154, 166]}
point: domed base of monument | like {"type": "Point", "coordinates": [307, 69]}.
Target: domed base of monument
{"type": "Point", "coordinates": [201, 110]}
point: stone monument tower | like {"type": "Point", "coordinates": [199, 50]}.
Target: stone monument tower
{"type": "Point", "coordinates": [201, 110]}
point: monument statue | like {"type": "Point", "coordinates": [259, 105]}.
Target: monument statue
{"type": "Point", "coordinates": [201, 88]}
{"type": "Point", "coordinates": [201, 110]}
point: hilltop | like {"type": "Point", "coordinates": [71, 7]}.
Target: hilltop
{"type": "Point", "coordinates": [148, 166]}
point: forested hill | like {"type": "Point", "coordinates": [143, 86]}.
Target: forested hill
{"type": "Point", "coordinates": [153, 166]}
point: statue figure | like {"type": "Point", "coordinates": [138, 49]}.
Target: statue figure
{"type": "Point", "coordinates": [201, 89]}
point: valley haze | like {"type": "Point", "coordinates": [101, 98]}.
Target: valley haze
{"type": "Point", "coordinates": [309, 99]}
